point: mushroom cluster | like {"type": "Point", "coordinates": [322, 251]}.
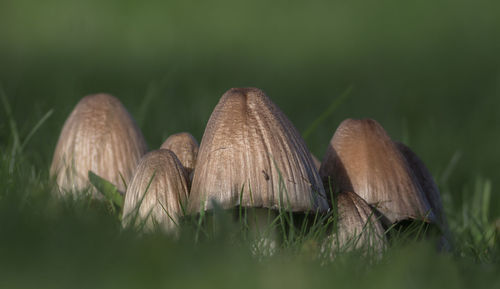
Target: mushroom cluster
{"type": "Point", "coordinates": [362, 161]}
{"type": "Point", "coordinates": [250, 156]}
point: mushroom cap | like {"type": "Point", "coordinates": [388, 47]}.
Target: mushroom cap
{"type": "Point", "coordinates": [251, 155]}
{"type": "Point", "coordinates": [317, 163]}
{"type": "Point", "coordinates": [426, 181]}
{"type": "Point", "coordinates": [157, 192]}
{"type": "Point", "coordinates": [362, 158]}
{"type": "Point", "coordinates": [357, 223]}
{"type": "Point", "coordinates": [101, 136]}
{"type": "Point", "coordinates": [185, 147]}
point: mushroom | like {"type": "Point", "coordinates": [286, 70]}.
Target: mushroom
{"type": "Point", "coordinates": [185, 147]}
{"type": "Point", "coordinates": [252, 156]}
{"type": "Point", "coordinates": [157, 192]}
{"type": "Point", "coordinates": [101, 136]}
{"type": "Point", "coordinates": [357, 226]}
{"type": "Point", "coordinates": [317, 163]}
{"type": "Point", "coordinates": [362, 158]}
{"type": "Point", "coordinates": [429, 187]}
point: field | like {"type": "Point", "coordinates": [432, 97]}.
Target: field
{"type": "Point", "coordinates": [428, 71]}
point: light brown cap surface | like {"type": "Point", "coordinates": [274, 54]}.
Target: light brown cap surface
{"type": "Point", "coordinates": [185, 147]}
{"type": "Point", "coordinates": [316, 162]}
{"type": "Point", "coordinates": [362, 158]}
{"type": "Point", "coordinates": [157, 192]}
{"type": "Point", "coordinates": [357, 224]}
{"type": "Point", "coordinates": [101, 136]}
{"type": "Point", "coordinates": [251, 155]}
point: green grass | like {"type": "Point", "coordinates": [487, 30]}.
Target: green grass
{"type": "Point", "coordinates": [79, 242]}
{"type": "Point", "coordinates": [52, 243]}
{"type": "Point", "coordinates": [428, 71]}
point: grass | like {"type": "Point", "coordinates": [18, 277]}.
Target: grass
{"type": "Point", "coordinates": [50, 242]}
{"type": "Point", "coordinates": [428, 71]}
{"type": "Point", "coordinates": [53, 243]}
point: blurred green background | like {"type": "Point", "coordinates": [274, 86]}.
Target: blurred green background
{"type": "Point", "coordinates": [428, 71]}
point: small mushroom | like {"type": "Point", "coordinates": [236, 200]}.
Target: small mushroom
{"type": "Point", "coordinates": [185, 147]}
{"type": "Point", "coordinates": [316, 162]}
{"type": "Point", "coordinates": [252, 156]}
{"type": "Point", "coordinates": [358, 226]}
{"type": "Point", "coordinates": [157, 193]}
{"type": "Point", "coordinates": [362, 158]}
{"type": "Point", "coordinates": [101, 136]}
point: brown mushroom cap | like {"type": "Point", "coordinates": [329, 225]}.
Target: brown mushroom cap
{"type": "Point", "coordinates": [185, 147]}
{"type": "Point", "coordinates": [357, 224]}
{"type": "Point", "coordinates": [426, 181]}
{"type": "Point", "coordinates": [101, 136]}
{"type": "Point", "coordinates": [251, 155]}
{"type": "Point", "coordinates": [362, 158]}
{"type": "Point", "coordinates": [157, 192]}
{"type": "Point", "coordinates": [316, 162]}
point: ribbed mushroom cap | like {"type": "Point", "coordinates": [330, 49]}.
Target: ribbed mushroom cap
{"type": "Point", "coordinates": [101, 136]}
{"type": "Point", "coordinates": [357, 224]}
{"type": "Point", "coordinates": [251, 155]}
{"type": "Point", "coordinates": [362, 158]}
{"type": "Point", "coordinates": [426, 181]}
{"type": "Point", "coordinates": [185, 147]}
{"type": "Point", "coordinates": [157, 192]}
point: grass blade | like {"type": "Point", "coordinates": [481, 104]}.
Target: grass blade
{"type": "Point", "coordinates": [10, 117]}
{"type": "Point", "coordinates": [107, 189]}
{"type": "Point", "coordinates": [35, 128]}
{"type": "Point", "coordinates": [328, 111]}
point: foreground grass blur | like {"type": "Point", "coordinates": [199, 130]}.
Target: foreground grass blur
{"type": "Point", "coordinates": [53, 243]}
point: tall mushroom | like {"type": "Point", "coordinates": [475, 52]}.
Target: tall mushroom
{"type": "Point", "coordinates": [252, 156]}
{"type": "Point", "coordinates": [185, 147]}
{"type": "Point", "coordinates": [157, 193]}
{"type": "Point", "coordinates": [101, 136]}
{"type": "Point", "coordinates": [362, 158]}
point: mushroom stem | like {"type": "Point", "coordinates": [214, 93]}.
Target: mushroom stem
{"type": "Point", "coordinates": [262, 225]}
